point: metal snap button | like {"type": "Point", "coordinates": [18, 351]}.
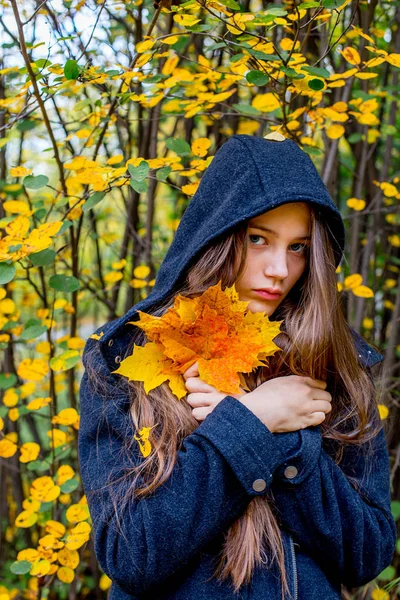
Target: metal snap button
{"type": "Point", "coordinates": [117, 359]}
{"type": "Point", "coordinates": [290, 472]}
{"type": "Point", "coordinates": [110, 342]}
{"type": "Point", "coordinates": [259, 485]}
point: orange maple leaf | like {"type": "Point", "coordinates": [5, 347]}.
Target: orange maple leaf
{"type": "Point", "coordinates": [215, 329]}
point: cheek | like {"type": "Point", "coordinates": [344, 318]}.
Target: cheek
{"type": "Point", "coordinates": [297, 270]}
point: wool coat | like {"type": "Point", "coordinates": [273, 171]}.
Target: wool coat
{"type": "Point", "coordinates": [165, 546]}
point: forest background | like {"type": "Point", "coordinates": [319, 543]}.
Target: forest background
{"type": "Point", "coordinates": [110, 112]}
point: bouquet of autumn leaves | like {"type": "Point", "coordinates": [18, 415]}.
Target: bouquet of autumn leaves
{"type": "Point", "coordinates": [215, 329]}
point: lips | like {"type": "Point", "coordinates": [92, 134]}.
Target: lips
{"type": "Point", "coordinates": [268, 295]}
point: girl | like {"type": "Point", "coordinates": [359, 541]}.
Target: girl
{"type": "Point", "coordinates": [278, 493]}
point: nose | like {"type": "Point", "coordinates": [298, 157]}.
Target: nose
{"type": "Point", "coordinates": [276, 266]}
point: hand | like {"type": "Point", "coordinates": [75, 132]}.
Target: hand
{"type": "Point", "coordinates": [289, 403]}
{"type": "Point", "coordinates": [203, 397]}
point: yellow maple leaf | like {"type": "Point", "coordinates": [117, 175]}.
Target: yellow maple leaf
{"type": "Point", "coordinates": [215, 329]}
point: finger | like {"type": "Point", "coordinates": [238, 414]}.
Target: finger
{"type": "Point", "coordinates": [195, 384]}
{"type": "Point", "coordinates": [321, 405]}
{"type": "Point", "coordinates": [192, 371]}
{"type": "Point", "coordinates": [319, 383]}
{"type": "Point", "coordinates": [201, 413]}
{"type": "Point", "coordinates": [198, 399]}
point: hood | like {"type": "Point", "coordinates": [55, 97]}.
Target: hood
{"type": "Point", "coordinates": [247, 176]}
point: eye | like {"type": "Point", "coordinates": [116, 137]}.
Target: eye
{"type": "Point", "coordinates": [255, 236]}
{"type": "Point", "coordinates": [303, 247]}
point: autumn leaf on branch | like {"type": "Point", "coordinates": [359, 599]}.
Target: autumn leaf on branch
{"type": "Point", "coordinates": [215, 329]}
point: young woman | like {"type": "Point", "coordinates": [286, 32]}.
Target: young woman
{"type": "Point", "coordinates": [278, 493]}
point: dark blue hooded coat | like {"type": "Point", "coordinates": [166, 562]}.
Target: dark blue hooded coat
{"type": "Point", "coordinates": [166, 545]}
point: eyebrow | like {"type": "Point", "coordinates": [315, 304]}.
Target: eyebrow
{"type": "Point", "coordinates": [274, 233]}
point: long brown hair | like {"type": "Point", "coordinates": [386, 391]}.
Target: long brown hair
{"type": "Point", "coordinates": [315, 341]}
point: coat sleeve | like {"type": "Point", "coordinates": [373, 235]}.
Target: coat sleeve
{"type": "Point", "coordinates": [210, 486]}
{"type": "Point", "coordinates": [349, 529]}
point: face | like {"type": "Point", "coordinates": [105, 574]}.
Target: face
{"type": "Point", "coordinates": [277, 255]}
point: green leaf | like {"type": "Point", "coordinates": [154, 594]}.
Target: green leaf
{"type": "Point", "coordinates": [7, 380]}
{"type": "Point", "coordinates": [179, 146]}
{"type": "Point", "coordinates": [277, 11]}
{"type": "Point", "coordinates": [43, 258]}
{"type": "Point", "coordinates": [32, 332]}
{"type": "Point", "coordinates": [331, 4]}
{"type": "Point", "coordinates": [246, 109]}
{"type": "Point", "coordinates": [215, 46]}
{"type": "Point", "coordinates": [69, 361]}
{"type": "Point", "coordinates": [138, 186]}
{"type": "Point", "coordinates": [316, 84]}
{"type": "Point", "coordinates": [82, 104]}
{"type": "Point", "coordinates": [289, 72]}
{"type": "Point", "coordinates": [163, 172]}
{"type": "Point", "coordinates": [312, 151]}
{"type": "Point", "coordinates": [311, 4]}
{"type": "Point", "coordinates": [7, 272]}
{"type": "Point", "coordinates": [42, 62]}
{"type": "Point", "coordinates": [69, 486]}
{"type": "Point", "coordinates": [387, 574]}
{"type": "Point", "coordinates": [35, 183]}
{"type": "Point", "coordinates": [257, 78]}
{"type": "Point", "coordinates": [92, 201]}
{"type": "Point", "coordinates": [64, 283]}
{"type": "Point", "coordinates": [395, 506]}
{"type": "Point", "coordinates": [26, 125]}
{"type": "Point", "coordinates": [237, 57]}
{"type": "Point", "coordinates": [20, 567]}
{"type": "Point", "coordinates": [354, 138]}
{"type": "Point", "coordinates": [71, 69]}
{"type": "Point", "coordinates": [262, 56]}
{"type": "Point", "coordinates": [230, 4]}
{"type": "Point", "coordinates": [317, 71]}
{"type": "Point", "coordinates": [38, 465]}
{"type": "Point", "coordinates": [45, 506]}
{"type": "Point", "coordinates": [140, 172]}
{"type": "Point", "coordinates": [66, 225]}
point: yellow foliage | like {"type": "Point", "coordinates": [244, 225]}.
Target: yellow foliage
{"type": "Point", "coordinates": [200, 146]}
{"type": "Point", "coordinates": [10, 397]}
{"type": "Point", "coordinates": [40, 568]}
{"type": "Point", "coordinates": [68, 558]}
{"type": "Point", "coordinates": [335, 131]}
{"type": "Point", "coordinates": [78, 536]}
{"type": "Point", "coordinates": [57, 438]}
{"type": "Point", "coordinates": [143, 441]}
{"type": "Point", "coordinates": [20, 171]}
{"type": "Point", "coordinates": [351, 55]}
{"type": "Point", "coordinates": [105, 582]}
{"type": "Point", "coordinates": [33, 369]}
{"type": "Point", "coordinates": [38, 403]}
{"type": "Point", "coordinates": [29, 554]}
{"type": "Point", "coordinates": [266, 102]}
{"type": "Point", "coordinates": [356, 203]}
{"type": "Point", "coordinates": [77, 512]}
{"type": "Point", "coordinates": [7, 448]}
{"type": "Point", "coordinates": [67, 416]}
{"type": "Point", "coordinates": [64, 473]}
{"type": "Point", "coordinates": [26, 519]}
{"type": "Point", "coordinates": [55, 528]}
{"type": "Point", "coordinates": [44, 489]}
{"type": "Point", "coordinates": [50, 542]}
{"type": "Point", "coordinates": [29, 451]}
{"type": "Point", "coordinates": [353, 281]}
